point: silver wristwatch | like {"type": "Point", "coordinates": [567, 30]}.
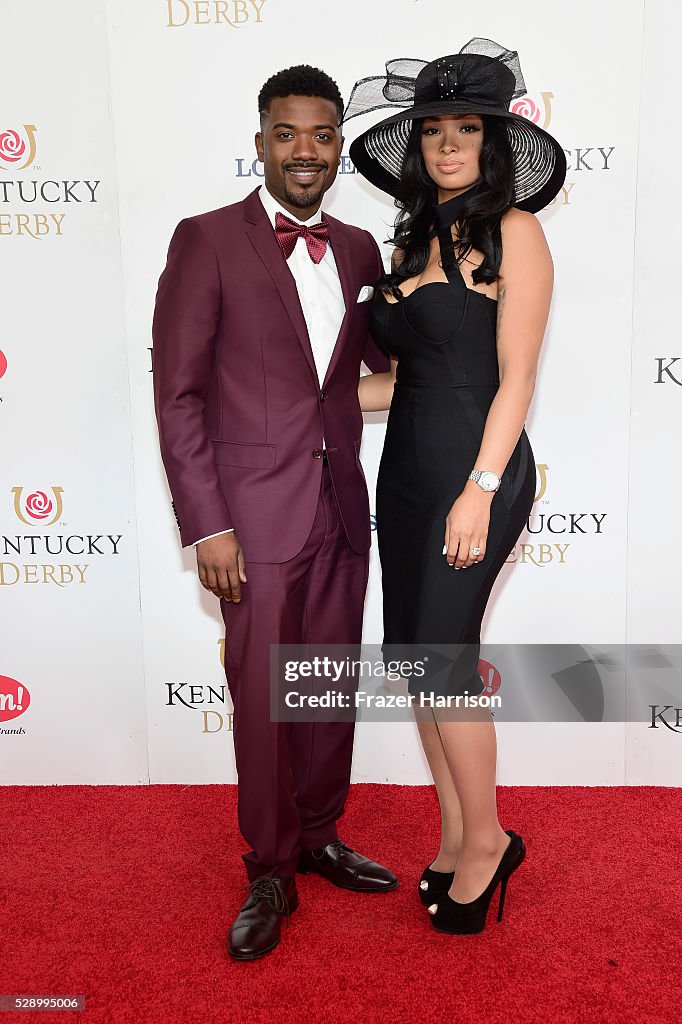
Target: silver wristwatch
{"type": "Point", "coordinates": [485, 478]}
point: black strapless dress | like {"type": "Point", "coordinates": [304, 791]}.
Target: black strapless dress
{"type": "Point", "coordinates": [444, 336]}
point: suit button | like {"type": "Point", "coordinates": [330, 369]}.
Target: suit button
{"type": "Point", "coordinates": [323, 397]}
{"type": "Point", "coordinates": [317, 453]}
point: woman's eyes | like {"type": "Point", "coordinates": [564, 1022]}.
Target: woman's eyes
{"type": "Point", "coordinates": [467, 128]}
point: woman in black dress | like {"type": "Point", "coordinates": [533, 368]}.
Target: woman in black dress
{"type": "Point", "coordinates": [463, 313]}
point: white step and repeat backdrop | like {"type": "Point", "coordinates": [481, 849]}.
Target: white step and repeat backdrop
{"type": "Point", "coordinates": [119, 118]}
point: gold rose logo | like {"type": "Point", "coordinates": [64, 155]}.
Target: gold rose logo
{"type": "Point", "coordinates": [38, 507]}
{"type": "Point", "coordinates": [528, 108]}
{"type": "Point", "coordinates": [14, 148]}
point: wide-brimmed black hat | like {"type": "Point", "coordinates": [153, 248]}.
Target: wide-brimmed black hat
{"type": "Point", "coordinates": [483, 78]}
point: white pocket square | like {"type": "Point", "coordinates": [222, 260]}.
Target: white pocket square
{"type": "Point", "coordinates": [366, 293]}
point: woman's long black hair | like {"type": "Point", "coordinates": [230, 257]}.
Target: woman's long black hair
{"type": "Point", "coordinates": [478, 226]}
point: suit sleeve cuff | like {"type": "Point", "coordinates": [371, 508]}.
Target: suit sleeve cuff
{"type": "Point", "coordinates": [231, 530]}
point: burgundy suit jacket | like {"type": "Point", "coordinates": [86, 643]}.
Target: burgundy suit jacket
{"type": "Point", "coordinates": [240, 411]}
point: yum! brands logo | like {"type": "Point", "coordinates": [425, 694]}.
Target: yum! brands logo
{"type": "Point", "coordinates": [14, 700]}
{"type": "Point", "coordinates": [37, 510]}
{"type": "Point", "coordinates": [490, 677]}
{"type": "Point", "coordinates": [3, 367]}
{"type": "Point", "coordinates": [18, 149]}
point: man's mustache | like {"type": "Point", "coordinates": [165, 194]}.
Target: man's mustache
{"type": "Point", "coordinates": [305, 167]}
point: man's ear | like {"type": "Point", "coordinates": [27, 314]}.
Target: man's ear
{"type": "Point", "coordinates": [259, 145]}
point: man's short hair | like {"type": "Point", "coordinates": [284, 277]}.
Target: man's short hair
{"type": "Point", "coordinates": [301, 80]}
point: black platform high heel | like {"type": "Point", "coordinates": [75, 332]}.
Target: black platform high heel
{"type": "Point", "coordinates": [433, 885]}
{"type": "Point", "coordinates": [469, 918]}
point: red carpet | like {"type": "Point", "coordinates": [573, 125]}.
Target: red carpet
{"type": "Point", "coordinates": [125, 894]}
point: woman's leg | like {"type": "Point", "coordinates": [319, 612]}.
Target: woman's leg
{"type": "Point", "coordinates": [450, 810]}
{"type": "Point", "coordinates": [470, 749]}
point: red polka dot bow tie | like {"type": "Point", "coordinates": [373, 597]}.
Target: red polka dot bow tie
{"type": "Point", "coordinates": [288, 233]}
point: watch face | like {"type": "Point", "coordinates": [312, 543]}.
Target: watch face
{"type": "Point", "coordinates": [489, 481]}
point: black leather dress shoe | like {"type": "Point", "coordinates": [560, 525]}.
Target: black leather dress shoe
{"type": "Point", "coordinates": [347, 869]}
{"type": "Point", "coordinates": [257, 928]}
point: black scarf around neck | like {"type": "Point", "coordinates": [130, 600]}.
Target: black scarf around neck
{"type": "Point", "coordinates": [445, 214]}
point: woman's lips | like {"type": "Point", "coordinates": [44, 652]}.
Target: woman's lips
{"type": "Point", "coordinates": [450, 168]}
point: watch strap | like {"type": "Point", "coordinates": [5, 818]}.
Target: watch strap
{"type": "Point", "coordinates": [476, 475]}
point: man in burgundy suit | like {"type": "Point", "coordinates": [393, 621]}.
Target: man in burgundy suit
{"type": "Point", "coordinates": [260, 326]}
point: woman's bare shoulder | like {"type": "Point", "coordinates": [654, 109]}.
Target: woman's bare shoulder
{"type": "Point", "coordinates": [524, 247]}
{"type": "Point", "coordinates": [520, 227]}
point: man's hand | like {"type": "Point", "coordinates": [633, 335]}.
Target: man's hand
{"type": "Point", "coordinates": [220, 562]}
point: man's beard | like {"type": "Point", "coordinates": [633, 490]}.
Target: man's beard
{"type": "Point", "coordinates": [306, 197]}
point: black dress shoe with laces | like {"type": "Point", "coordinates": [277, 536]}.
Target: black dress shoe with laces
{"type": "Point", "coordinates": [257, 928]}
{"type": "Point", "coordinates": [347, 869]}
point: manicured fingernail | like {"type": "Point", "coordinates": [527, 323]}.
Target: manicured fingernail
{"type": "Point", "coordinates": [445, 549]}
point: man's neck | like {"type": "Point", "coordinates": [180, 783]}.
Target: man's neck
{"type": "Point", "coordinates": [302, 214]}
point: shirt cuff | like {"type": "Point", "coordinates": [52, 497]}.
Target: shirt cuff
{"type": "Point", "coordinates": [231, 530]}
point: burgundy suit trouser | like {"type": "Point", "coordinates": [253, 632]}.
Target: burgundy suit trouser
{"type": "Point", "coordinates": [293, 776]}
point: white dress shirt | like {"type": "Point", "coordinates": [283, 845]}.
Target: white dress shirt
{"type": "Point", "coordinates": [319, 292]}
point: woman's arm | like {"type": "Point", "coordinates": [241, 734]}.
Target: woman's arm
{"type": "Point", "coordinates": [525, 291]}
{"type": "Point", "coordinates": [524, 296]}
{"type": "Point", "coordinates": [375, 390]}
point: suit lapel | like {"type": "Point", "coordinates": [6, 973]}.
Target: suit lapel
{"type": "Point", "coordinates": [342, 257]}
{"type": "Point", "coordinates": [262, 237]}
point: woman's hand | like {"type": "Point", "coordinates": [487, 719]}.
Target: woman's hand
{"type": "Point", "coordinates": [466, 526]}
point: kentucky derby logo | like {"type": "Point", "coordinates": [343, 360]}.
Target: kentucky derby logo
{"type": "Point", "coordinates": [24, 217]}
{"type": "Point", "coordinates": [14, 699]}
{"type": "Point", "coordinates": [18, 150]}
{"type": "Point", "coordinates": [54, 549]}
{"type": "Point", "coordinates": [234, 13]}
{"type": "Point", "coordinates": [38, 507]}
{"type": "Point", "coordinates": [528, 108]}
